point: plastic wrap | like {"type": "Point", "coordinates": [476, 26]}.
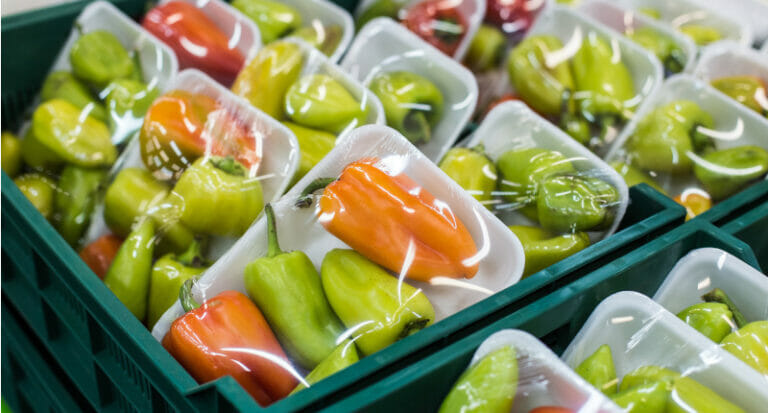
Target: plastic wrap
{"type": "Point", "coordinates": [438, 251]}
{"type": "Point", "coordinates": [697, 144]}
{"type": "Point", "coordinates": [513, 371]}
{"type": "Point", "coordinates": [208, 35]}
{"type": "Point", "coordinates": [87, 112]}
{"type": "Point", "coordinates": [751, 12]}
{"type": "Point", "coordinates": [321, 23]}
{"type": "Point", "coordinates": [659, 362]}
{"type": "Point", "coordinates": [427, 96]}
{"type": "Point", "coordinates": [689, 292]}
{"type": "Point", "coordinates": [554, 194]}
{"type": "Point", "coordinates": [448, 25]}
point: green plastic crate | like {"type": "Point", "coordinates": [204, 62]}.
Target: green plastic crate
{"type": "Point", "coordinates": [555, 319]}
{"type": "Point", "coordinates": [114, 361]}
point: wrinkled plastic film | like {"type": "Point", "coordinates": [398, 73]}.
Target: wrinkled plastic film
{"type": "Point", "coordinates": [386, 250]}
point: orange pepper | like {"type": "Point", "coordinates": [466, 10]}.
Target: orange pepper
{"type": "Point", "coordinates": [228, 335]}
{"type": "Point", "coordinates": [695, 201]}
{"type": "Point", "coordinates": [382, 216]}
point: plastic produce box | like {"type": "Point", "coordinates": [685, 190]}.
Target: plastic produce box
{"type": "Point", "coordinates": [555, 319]}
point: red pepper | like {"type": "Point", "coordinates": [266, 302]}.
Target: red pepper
{"type": "Point", "coordinates": [439, 23]}
{"type": "Point", "coordinates": [100, 253]}
{"type": "Point", "coordinates": [228, 335]}
{"type": "Point", "coordinates": [512, 16]}
{"type": "Point", "coordinates": [195, 39]}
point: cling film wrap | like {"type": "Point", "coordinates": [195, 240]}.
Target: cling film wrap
{"type": "Point", "coordinates": [512, 371]}
{"type": "Point", "coordinates": [448, 25]}
{"type": "Point", "coordinates": [388, 247]}
{"type": "Point", "coordinates": [724, 299]}
{"type": "Point", "coordinates": [552, 192]}
{"type": "Point", "coordinates": [644, 358]}
{"type": "Point", "coordinates": [695, 143]}
{"type": "Point", "coordinates": [321, 23]}
{"type": "Point", "coordinates": [426, 96]}
{"type": "Point", "coordinates": [208, 35]}
{"type": "Point", "coordinates": [203, 166]}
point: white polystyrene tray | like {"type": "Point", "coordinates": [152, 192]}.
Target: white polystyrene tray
{"type": "Point", "coordinates": [474, 10]}
{"type": "Point", "coordinates": [328, 14]}
{"type": "Point", "coordinates": [752, 12]}
{"type": "Point", "coordinates": [640, 332]}
{"type": "Point", "coordinates": [680, 12]}
{"type": "Point", "coordinates": [705, 269]}
{"type": "Point", "coordinates": [299, 230]}
{"type": "Point", "coordinates": [385, 46]}
{"type": "Point", "coordinates": [241, 31]}
{"type": "Point", "coordinates": [279, 148]}
{"type": "Point", "coordinates": [622, 21]}
{"type": "Point", "coordinates": [730, 59]}
{"type": "Point", "coordinates": [735, 125]}
{"type": "Point", "coordinates": [571, 27]}
{"type": "Point", "coordinates": [543, 379]}
{"type": "Point", "coordinates": [512, 125]}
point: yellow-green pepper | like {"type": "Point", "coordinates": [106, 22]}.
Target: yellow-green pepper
{"type": "Point", "coordinates": [342, 357]}
{"type": "Point", "coordinates": [128, 276]}
{"type": "Point", "coordinates": [131, 194]}
{"type": "Point", "coordinates": [633, 176]}
{"type": "Point", "coordinates": [486, 49]}
{"type": "Point", "coordinates": [672, 57]}
{"type": "Point", "coordinates": [750, 91]}
{"type": "Point", "coordinates": [701, 35]}
{"type": "Point", "coordinates": [128, 101]}
{"type": "Point", "coordinates": [321, 102]}
{"type": "Point", "coordinates": [487, 386]}
{"type": "Point", "coordinates": [543, 248]}
{"type": "Point", "coordinates": [98, 58]}
{"type": "Point", "coordinates": [313, 146]}
{"type": "Point", "coordinates": [472, 170]}
{"type": "Point", "coordinates": [75, 200]}
{"type": "Point", "coordinates": [575, 203]}
{"type": "Point", "coordinates": [11, 154]}
{"type": "Point", "coordinates": [63, 85]}
{"type": "Point", "coordinates": [273, 18]}
{"type": "Point", "coordinates": [599, 371]}
{"type": "Point", "coordinates": [323, 38]}
{"type": "Point", "coordinates": [39, 190]}
{"type": "Point", "coordinates": [727, 171]}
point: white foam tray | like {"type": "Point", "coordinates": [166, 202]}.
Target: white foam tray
{"type": "Point", "coordinates": [328, 14]}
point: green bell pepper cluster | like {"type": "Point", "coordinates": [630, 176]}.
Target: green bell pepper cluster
{"type": "Point", "coordinates": [546, 188]}
{"type": "Point", "coordinates": [701, 34]}
{"type": "Point", "coordinates": [650, 388]}
{"type": "Point", "coordinates": [276, 20]}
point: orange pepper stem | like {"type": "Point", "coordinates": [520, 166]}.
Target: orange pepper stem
{"type": "Point", "coordinates": [273, 246]}
{"type": "Point", "coordinates": [719, 296]}
{"type": "Point", "coordinates": [305, 199]}
{"type": "Point", "coordinates": [185, 295]}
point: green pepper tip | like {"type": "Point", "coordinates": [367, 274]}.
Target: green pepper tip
{"type": "Point", "coordinates": [417, 124]}
{"type": "Point", "coordinates": [188, 303]}
{"type": "Point", "coordinates": [273, 246]}
{"type": "Point", "coordinates": [193, 256]}
{"type": "Point", "coordinates": [719, 296]}
{"type": "Point", "coordinates": [229, 165]}
{"type": "Point", "coordinates": [413, 327]}
{"type": "Point", "coordinates": [305, 199]}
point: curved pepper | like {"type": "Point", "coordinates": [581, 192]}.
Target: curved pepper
{"type": "Point", "coordinates": [64, 85]}
{"type": "Point", "coordinates": [647, 375]}
{"type": "Point", "coordinates": [689, 395]}
{"type": "Point", "coordinates": [599, 371]}
{"type": "Point", "coordinates": [473, 171]}
{"type": "Point", "coordinates": [173, 235]}
{"type": "Point", "coordinates": [286, 286]}
{"type": "Point", "coordinates": [750, 91]}
{"type": "Point", "coordinates": [273, 18]}
{"type": "Point", "coordinates": [646, 398]}
{"type": "Point", "coordinates": [576, 127]}
{"type": "Point", "coordinates": [218, 197]}
{"type": "Point", "coordinates": [377, 308]}
{"type": "Point", "coordinates": [575, 203]}
{"type": "Point", "coordinates": [380, 8]}
{"type": "Point", "coordinates": [39, 190]}
{"type": "Point", "coordinates": [439, 23]}
{"type": "Point", "coordinates": [75, 201]}
{"type": "Point", "coordinates": [488, 386]}
{"type": "Point", "coordinates": [633, 176]}
{"type": "Point", "coordinates": [323, 38]}
{"type": "Point", "coordinates": [267, 77]}
{"type": "Point", "coordinates": [128, 101]}
{"type": "Point", "coordinates": [342, 357]}
{"type": "Point", "coordinates": [98, 58]}
{"type": "Point", "coordinates": [321, 102]}
{"type": "Point", "coordinates": [11, 154]}
{"type": "Point", "coordinates": [714, 320]}
{"type": "Point", "coordinates": [169, 273]}
{"type": "Point", "coordinates": [412, 103]}
{"type": "Point", "coordinates": [671, 56]}
{"type": "Point", "coordinates": [197, 41]}
{"type": "Point", "coordinates": [727, 171]}
{"type": "Point", "coordinates": [750, 344]}
{"type": "Point", "coordinates": [59, 135]}
{"type": "Point", "coordinates": [384, 216]}
{"type": "Point", "coordinates": [130, 195]}
{"type": "Point", "coordinates": [486, 49]}
{"type": "Point", "coordinates": [701, 35]}
{"type": "Point", "coordinates": [99, 254]}
{"type": "Point", "coordinates": [313, 146]}
{"type": "Point", "coordinates": [545, 84]}
{"type": "Point", "coordinates": [128, 276]}
{"type": "Point", "coordinates": [543, 248]}
{"type": "Point", "coordinates": [227, 335]}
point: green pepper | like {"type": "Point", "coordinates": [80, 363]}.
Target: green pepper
{"type": "Point", "coordinates": [487, 386]}
{"type": "Point", "coordinates": [714, 320]}
{"type": "Point", "coordinates": [379, 307]}
{"type": "Point", "coordinates": [671, 56]}
{"type": "Point", "coordinates": [128, 276]}
{"type": "Point", "coordinates": [98, 58]}
{"type": "Point", "coordinates": [576, 127]}
{"type": "Point", "coordinates": [380, 8]}
{"type": "Point", "coordinates": [747, 90]}
{"type": "Point", "coordinates": [647, 398]}
{"type": "Point", "coordinates": [320, 102]}
{"type": "Point", "coordinates": [647, 375]}
{"type": "Point", "coordinates": [650, 12]}
{"type": "Point", "coordinates": [665, 138]}
{"type": "Point", "coordinates": [544, 85]}
{"type": "Point", "coordinates": [543, 248]}
{"type": "Point", "coordinates": [412, 103]}
{"type": "Point", "coordinates": [473, 171]}
{"type": "Point", "coordinates": [342, 357]}
{"type": "Point", "coordinates": [701, 35]}
{"type": "Point", "coordinates": [486, 49]}
{"type": "Point", "coordinates": [287, 288]}
{"type": "Point", "coordinates": [132, 193]}
{"type": "Point", "coordinates": [11, 154]}
{"type": "Point", "coordinates": [172, 236]}
{"type": "Point", "coordinates": [598, 370]}
{"type": "Point", "coordinates": [168, 275]}
{"type": "Point", "coordinates": [575, 203]}
{"type": "Point", "coordinates": [273, 18]}
{"type": "Point", "coordinates": [604, 85]}
{"type": "Point", "coordinates": [633, 176]}
{"type": "Point", "coordinates": [727, 171]}
{"type": "Point", "coordinates": [323, 38]}
{"type": "Point", "coordinates": [267, 77]}
{"type": "Point", "coordinates": [128, 101]}
{"type": "Point", "coordinates": [39, 190]}
{"type": "Point", "coordinates": [60, 135]}
{"type": "Point", "coordinates": [63, 85]}
{"type": "Point", "coordinates": [750, 344]}
{"type": "Point", "coordinates": [313, 146]}
{"type": "Point", "coordinates": [688, 395]}
{"type": "Point", "coordinates": [75, 200]}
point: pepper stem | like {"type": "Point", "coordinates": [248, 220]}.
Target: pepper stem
{"type": "Point", "coordinates": [185, 295]}
{"type": "Point", "coordinates": [193, 256]}
{"type": "Point", "coordinates": [273, 246]}
{"type": "Point", "coordinates": [719, 296]}
{"type": "Point", "coordinates": [413, 327]}
{"type": "Point", "coordinates": [305, 199]}
{"type": "Point", "coordinates": [228, 165]}
{"type": "Point", "coordinates": [417, 126]}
